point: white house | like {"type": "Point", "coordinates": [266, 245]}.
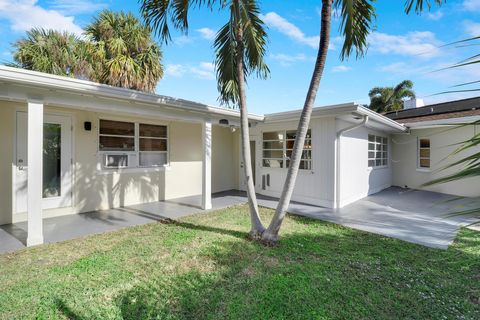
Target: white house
{"type": "Point", "coordinates": [97, 147]}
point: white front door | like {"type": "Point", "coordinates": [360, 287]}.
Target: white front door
{"type": "Point", "coordinates": [57, 162]}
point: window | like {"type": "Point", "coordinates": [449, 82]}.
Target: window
{"type": "Point", "coordinates": [117, 136]}
{"type": "Point", "coordinates": [153, 145]}
{"type": "Point", "coordinates": [424, 153]}
{"type": "Point", "coordinates": [122, 143]}
{"type": "Point", "coordinates": [278, 148]}
{"type": "Point", "coordinates": [377, 151]}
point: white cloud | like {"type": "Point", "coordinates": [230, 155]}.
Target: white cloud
{"type": "Point", "coordinates": [182, 40]}
{"type": "Point", "coordinates": [76, 6]}
{"type": "Point", "coordinates": [472, 28]}
{"type": "Point", "coordinates": [282, 25]}
{"type": "Point", "coordinates": [471, 5]}
{"type": "Point", "coordinates": [435, 16]}
{"type": "Point", "coordinates": [203, 70]}
{"type": "Point", "coordinates": [287, 60]}
{"type": "Point", "coordinates": [341, 68]}
{"type": "Point", "coordinates": [416, 43]}
{"type": "Point", "coordinates": [26, 14]}
{"type": "Point", "coordinates": [207, 33]}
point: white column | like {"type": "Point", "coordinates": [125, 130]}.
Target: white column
{"type": "Point", "coordinates": [207, 165]}
{"type": "Point", "coordinates": [35, 173]}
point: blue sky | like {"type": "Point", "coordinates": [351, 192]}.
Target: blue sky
{"type": "Point", "coordinates": [401, 47]}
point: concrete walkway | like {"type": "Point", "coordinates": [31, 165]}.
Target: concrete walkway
{"type": "Point", "coordinates": [13, 236]}
{"type": "Point", "coordinates": [409, 215]}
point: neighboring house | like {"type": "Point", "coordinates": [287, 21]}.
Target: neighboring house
{"type": "Point", "coordinates": [435, 132]}
{"type": "Point", "coordinates": [107, 147]}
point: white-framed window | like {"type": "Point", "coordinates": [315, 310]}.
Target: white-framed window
{"type": "Point", "coordinates": [278, 148]}
{"type": "Point", "coordinates": [123, 144]}
{"type": "Point", "coordinates": [377, 151]}
{"type": "Point", "coordinates": [423, 153]}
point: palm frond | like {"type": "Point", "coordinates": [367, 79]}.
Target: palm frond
{"type": "Point", "coordinates": [419, 5]}
{"type": "Point", "coordinates": [357, 22]}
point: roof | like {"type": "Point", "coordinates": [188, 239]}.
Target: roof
{"type": "Point", "coordinates": [440, 111]}
{"type": "Point", "coordinates": [346, 111]}
{"type": "Point", "coordinates": [20, 85]}
{"type": "Point", "coordinates": [49, 82]}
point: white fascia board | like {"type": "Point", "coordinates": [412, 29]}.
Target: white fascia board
{"type": "Point", "coordinates": [374, 116]}
{"type": "Point", "coordinates": [442, 122]}
{"type": "Point", "coordinates": [317, 112]}
{"type": "Point", "coordinates": [52, 82]}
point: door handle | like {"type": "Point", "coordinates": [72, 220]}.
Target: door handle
{"type": "Point", "coordinates": [20, 165]}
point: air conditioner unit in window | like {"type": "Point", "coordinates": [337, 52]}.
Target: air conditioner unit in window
{"type": "Point", "coordinates": [114, 161]}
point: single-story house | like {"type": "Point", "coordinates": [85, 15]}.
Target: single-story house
{"type": "Point", "coordinates": [97, 147]}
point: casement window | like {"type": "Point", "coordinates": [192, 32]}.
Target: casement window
{"type": "Point", "coordinates": [377, 151]}
{"type": "Point", "coordinates": [278, 148]}
{"type": "Point", "coordinates": [130, 144]}
{"type": "Point", "coordinates": [424, 153]}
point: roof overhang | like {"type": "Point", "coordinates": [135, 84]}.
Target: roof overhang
{"type": "Point", "coordinates": [347, 112]}
{"type": "Point", "coordinates": [442, 122]}
{"type": "Point", "coordinates": [23, 85]}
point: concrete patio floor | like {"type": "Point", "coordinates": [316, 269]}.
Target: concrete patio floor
{"type": "Point", "coordinates": [410, 215]}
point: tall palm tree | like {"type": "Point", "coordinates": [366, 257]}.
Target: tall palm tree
{"type": "Point", "coordinates": [385, 99]}
{"type": "Point", "coordinates": [239, 51]}
{"type": "Point", "coordinates": [52, 52]}
{"type": "Point", "coordinates": [357, 18]}
{"type": "Point", "coordinates": [131, 58]}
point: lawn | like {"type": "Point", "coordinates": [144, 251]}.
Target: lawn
{"type": "Point", "coordinates": [204, 267]}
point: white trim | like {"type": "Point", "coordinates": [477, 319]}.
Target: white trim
{"type": "Point", "coordinates": [441, 122]}
{"type": "Point", "coordinates": [44, 80]}
{"type": "Point", "coordinates": [207, 165]}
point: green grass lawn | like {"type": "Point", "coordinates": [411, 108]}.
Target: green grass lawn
{"type": "Point", "coordinates": [203, 267]}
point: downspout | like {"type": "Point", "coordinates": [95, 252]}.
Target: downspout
{"type": "Point", "coordinates": [337, 164]}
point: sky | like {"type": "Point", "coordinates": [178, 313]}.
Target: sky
{"type": "Point", "coordinates": [400, 47]}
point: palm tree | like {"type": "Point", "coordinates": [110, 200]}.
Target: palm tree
{"type": "Point", "coordinates": [52, 52]}
{"type": "Point", "coordinates": [131, 56]}
{"type": "Point", "coordinates": [386, 99]}
{"type": "Point", "coordinates": [239, 51]}
{"type": "Point", "coordinates": [356, 23]}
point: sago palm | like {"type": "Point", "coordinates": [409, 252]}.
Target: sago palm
{"type": "Point", "coordinates": [131, 58]}
{"type": "Point", "coordinates": [239, 51]}
{"type": "Point", "coordinates": [356, 23]}
{"type": "Point", "coordinates": [385, 99]}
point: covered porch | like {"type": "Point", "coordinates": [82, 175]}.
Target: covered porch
{"type": "Point", "coordinates": [152, 149]}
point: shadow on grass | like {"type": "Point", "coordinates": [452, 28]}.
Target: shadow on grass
{"type": "Point", "coordinates": [340, 274]}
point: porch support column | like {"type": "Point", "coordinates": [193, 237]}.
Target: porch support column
{"type": "Point", "coordinates": [35, 172]}
{"type": "Point", "coordinates": [207, 165]}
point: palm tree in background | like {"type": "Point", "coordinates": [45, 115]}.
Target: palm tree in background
{"type": "Point", "coordinates": [52, 52]}
{"type": "Point", "coordinates": [239, 52]}
{"type": "Point", "coordinates": [131, 58]}
{"type": "Point", "coordinates": [386, 99]}
{"type": "Point", "coordinates": [118, 50]}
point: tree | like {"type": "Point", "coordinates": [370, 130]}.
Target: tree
{"type": "Point", "coordinates": [356, 23]}
{"type": "Point", "coordinates": [239, 52]}
{"type": "Point", "coordinates": [52, 52]}
{"type": "Point", "coordinates": [131, 58]}
{"type": "Point", "coordinates": [386, 99]}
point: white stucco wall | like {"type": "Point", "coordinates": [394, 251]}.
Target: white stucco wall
{"type": "Point", "coordinates": [95, 189]}
{"type": "Point", "coordinates": [357, 180]}
{"type": "Point", "coordinates": [443, 142]}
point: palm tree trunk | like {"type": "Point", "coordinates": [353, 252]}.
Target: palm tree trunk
{"type": "Point", "coordinates": [257, 226]}
{"type": "Point", "coordinates": [271, 234]}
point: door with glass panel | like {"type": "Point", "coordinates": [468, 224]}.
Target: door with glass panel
{"type": "Point", "coordinates": [57, 163]}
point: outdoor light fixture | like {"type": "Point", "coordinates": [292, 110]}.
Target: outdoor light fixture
{"type": "Point", "coordinates": [87, 125]}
